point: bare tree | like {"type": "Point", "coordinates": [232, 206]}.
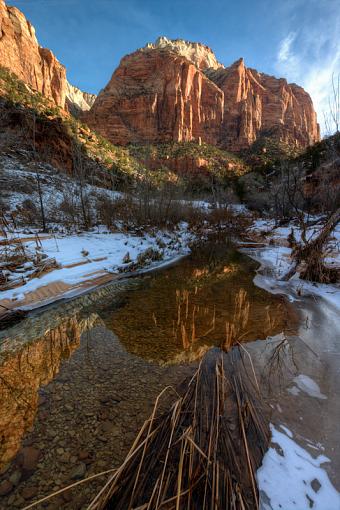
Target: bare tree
{"type": "Point", "coordinates": [311, 254]}
{"type": "Point", "coordinates": [288, 195]}
{"type": "Point", "coordinates": [31, 136]}
{"type": "Point", "coordinates": [332, 117]}
{"type": "Point", "coordinates": [80, 175]}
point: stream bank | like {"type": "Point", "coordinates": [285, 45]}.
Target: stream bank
{"type": "Point", "coordinates": [84, 375]}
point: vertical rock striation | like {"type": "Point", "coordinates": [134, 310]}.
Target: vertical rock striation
{"type": "Point", "coordinates": [256, 104]}
{"type": "Point", "coordinates": [158, 95]}
{"type": "Point", "coordinates": [178, 91]}
{"type": "Point", "coordinates": [170, 90]}
{"type": "Point", "coordinates": [38, 67]}
{"type": "Point", "coordinates": [21, 53]}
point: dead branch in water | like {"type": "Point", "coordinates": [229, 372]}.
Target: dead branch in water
{"type": "Point", "coordinates": [202, 453]}
{"type": "Point", "coordinates": [311, 254]}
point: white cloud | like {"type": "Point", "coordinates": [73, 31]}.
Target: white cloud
{"type": "Point", "coordinates": [310, 57]}
{"type": "Point", "coordinates": [284, 53]}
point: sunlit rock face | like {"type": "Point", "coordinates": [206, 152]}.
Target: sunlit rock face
{"type": "Point", "coordinates": [157, 95]}
{"type": "Point", "coordinates": [199, 54]}
{"type": "Point", "coordinates": [256, 104]}
{"type": "Point", "coordinates": [38, 67]}
{"type": "Point", "coordinates": [178, 91]}
{"type": "Point", "coordinates": [27, 369]}
{"type": "Point", "coordinates": [21, 53]}
{"type": "Point", "coordinates": [78, 101]}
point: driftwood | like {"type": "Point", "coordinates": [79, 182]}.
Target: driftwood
{"type": "Point", "coordinates": [41, 268]}
{"type": "Point", "coordinates": [201, 454]}
{"type": "Point", "coordinates": [311, 255]}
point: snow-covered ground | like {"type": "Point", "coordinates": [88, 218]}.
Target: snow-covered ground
{"type": "Point", "coordinates": [85, 257]}
{"type": "Point", "coordinates": [18, 183]}
{"type": "Point", "coordinates": [276, 257]}
{"type": "Point", "coordinates": [292, 477]}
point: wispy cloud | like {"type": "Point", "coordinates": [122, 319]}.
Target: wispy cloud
{"type": "Point", "coordinates": [284, 53]}
{"type": "Point", "coordinates": [310, 56]}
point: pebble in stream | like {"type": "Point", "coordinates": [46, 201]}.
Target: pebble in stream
{"type": "Point", "coordinates": [106, 396]}
{"type": "Point", "coordinates": [97, 390]}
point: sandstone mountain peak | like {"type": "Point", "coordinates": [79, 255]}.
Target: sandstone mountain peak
{"type": "Point", "coordinates": [21, 53]}
{"type": "Point", "coordinates": [78, 101]}
{"type": "Point", "coordinates": [170, 90]}
{"type": "Point", "coordinates": [200, 54]}
{"type": "Point", "coordinates": [185, 94]}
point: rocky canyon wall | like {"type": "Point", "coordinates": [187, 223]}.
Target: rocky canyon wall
{"type": "Point", "coordinates": [178, 91]}
{"type": "Point", "coordinates": [158, 96]}
{"type": "Point", "coordinates": [21, 53]}
{"type": "Point", "coordinates": [170, 90]}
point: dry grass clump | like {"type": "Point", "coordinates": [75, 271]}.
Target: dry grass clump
{"type": "Point", "coordinates": [203, 452]}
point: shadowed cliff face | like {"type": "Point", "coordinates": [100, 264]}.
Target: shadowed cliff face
{"type": "Point", "coordinates": [167, 92]}
{"type": "Point", "coordinates": [23, 373]}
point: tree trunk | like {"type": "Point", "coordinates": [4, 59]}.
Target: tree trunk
{"type": "Point", "coordinates": [311, 254]}
{"type": "Point", "coordinates": [42, 210]}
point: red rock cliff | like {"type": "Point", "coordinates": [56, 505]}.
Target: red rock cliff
{"type": "Point", "coordinates": [178, 91]}
{"type": "Point", "coordinates": [256, 104]}
{"type": "Point", "coordinates": [158, 95]}
{"type": "Point", "coordinates": [38, 67]}
{"type": "Point", "coordinates": [21, 53]}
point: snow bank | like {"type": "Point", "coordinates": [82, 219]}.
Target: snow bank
{"type": "Point", "coordinates": [83, 257]}
{"type": "Point", "coordinates": [275, 262]}
{"type": "Point", "coordinates": [291, 479]}
{"type": "Point", "coordinates": [307, 385]}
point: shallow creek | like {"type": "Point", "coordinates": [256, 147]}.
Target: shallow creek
{"type": "Point", "coordinates": [78, 379]}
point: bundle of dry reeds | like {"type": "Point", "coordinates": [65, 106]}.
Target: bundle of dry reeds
{"type": "Point", "coordinates": [201, 454]}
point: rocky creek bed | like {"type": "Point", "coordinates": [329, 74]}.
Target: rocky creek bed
{"type": "Point", "coordinates": [79, 379]}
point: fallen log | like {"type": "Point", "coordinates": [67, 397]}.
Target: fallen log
{"type": "Point", "coordinates": [311, 255]}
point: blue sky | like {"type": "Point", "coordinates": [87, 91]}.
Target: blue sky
{"type": "Point", "coordinates": [297, 39]}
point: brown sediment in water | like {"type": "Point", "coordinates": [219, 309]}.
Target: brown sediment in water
{"type": "Point", "coordinates": [23, 373]}
{"type": "Point", "coordinates": [203, 452]}
{"type": "Point", "coordinates": [92, 409]}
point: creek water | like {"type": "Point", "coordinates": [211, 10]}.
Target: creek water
{"type": "Point", "coordinates": [78, 379]}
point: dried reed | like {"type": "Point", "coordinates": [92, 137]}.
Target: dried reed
{"type": "Point", "coordinates": [201, 454]}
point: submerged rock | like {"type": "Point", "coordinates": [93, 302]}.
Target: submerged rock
{"type": "Point", "coordinates": [28, 459]}
{"type": "Point", "coordinates": [29, 492]}
{"type": "Point", "coordinates": [78, 471]}
{"type": "Point", "coordinates": [5, 487]}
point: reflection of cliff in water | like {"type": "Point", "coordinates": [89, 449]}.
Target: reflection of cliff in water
{"type": "Point", "coordinates": [175, 315]}
{"type": "Point", "coordinates": [23, 371]}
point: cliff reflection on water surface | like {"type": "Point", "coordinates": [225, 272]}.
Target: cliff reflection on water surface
{"type": "Point", "coordinates": [167, 317]}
